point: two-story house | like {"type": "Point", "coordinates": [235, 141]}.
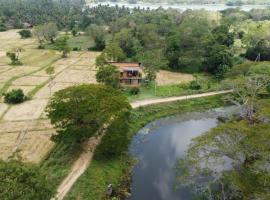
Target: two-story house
{"type": "Point", "coordinates": [131, 73]}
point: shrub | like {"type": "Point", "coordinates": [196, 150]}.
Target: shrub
{"type": "Point", "coordinates": [14, 58]}
{"type": "Point", "coordinates": [109, 75]}
{"type": "Point", "coordinates": [134, 91]}
{"type": "Point", "coordinates": [268, 88]}
{"type": "Point", "coordinates": [2, 28]}
{"type": "Point", "coordinates": [74, 32]}
{"type": "Point", "coordinates": [76, 49]}
{"type": "Point", "coordinates": [14, 97]}
{"type": "Point", "coordinates": [23, 182]}
{"type": "Point", "coordinates": [194, 85]}
{"type": "Point", "coordinates": [25, 33]}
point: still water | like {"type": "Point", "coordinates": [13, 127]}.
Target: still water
{"type": "Point", "coordinates": [181, 7]}
{"type": "Point", "coordinates": [158, 146]}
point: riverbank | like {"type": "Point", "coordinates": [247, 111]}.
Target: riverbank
{"type": "Point", "coordinates": [103, 171]}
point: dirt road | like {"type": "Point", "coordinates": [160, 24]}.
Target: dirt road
{"type": "Point", "coordinates": [137, 104]}
{"type": "Point", "coordinates": [84, 160]}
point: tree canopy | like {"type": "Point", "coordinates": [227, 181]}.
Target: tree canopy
{"type": "Point", "coordinates": [23, 182]}
{"type": "Point", "coordinates": [79, 112]}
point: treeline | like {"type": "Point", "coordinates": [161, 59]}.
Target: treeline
{"type": "Point", "coordinates": [228, 2]}
{"type": "Point", "coordinates": [190, 41]}
{"type": "Point", "coordinates": [15, 13]}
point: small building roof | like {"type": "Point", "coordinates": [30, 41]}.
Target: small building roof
{"type": "Point", "coordinates": [127, 66]}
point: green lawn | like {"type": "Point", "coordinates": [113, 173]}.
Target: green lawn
{"type": "Point", "coordinates": [81, 42]}
{"type": "Point", "coordinates": [152, 91]}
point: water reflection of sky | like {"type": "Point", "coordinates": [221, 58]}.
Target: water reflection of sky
{"type": "Point", "coordinates": [158, 146]}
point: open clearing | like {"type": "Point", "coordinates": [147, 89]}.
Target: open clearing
{"type": "Point", "coordinates": [169, 78]}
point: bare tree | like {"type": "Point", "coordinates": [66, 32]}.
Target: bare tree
{"type": "Point", "coordinates": [245, 94]}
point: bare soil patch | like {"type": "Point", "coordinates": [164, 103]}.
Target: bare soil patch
{"type": "Point", "coordinates": [46, 92]}
{"type": "Point", "coordinates": [16, 71]}
{"type": "Point", "coordinates": [17, 126]}
{"type": "Point", "coordinates": [170, 78]}
{"type": "Point", "coordinates": [29, 80]}
{"type": "Point", "coordinates": [29, 110]}
{"type": "Point", "coordinates": [76, 76]}
{"type": "Point", "coordinates": [7, 143]}
{"type": "Point", "coordinates": [36, 144]}
{"type": "Point", "coordinates": [25, 89]}
{"type": "Point", "coordinates": [3, 108]}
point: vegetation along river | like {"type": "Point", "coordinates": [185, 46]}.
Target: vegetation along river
{"type": "Point", "coordinates": [159, 145]}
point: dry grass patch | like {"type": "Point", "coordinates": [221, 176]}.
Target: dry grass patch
{"type": "Point", "coordinates": [30, 80]}
{"type": "Point", "coordinates": [28, 110]}
{"type": "Point", "coordinates": [11, 39]}
{"type": "Point", "coordinates": [25, 89]}
{"type": "Point", "coordinates": [32, 145]}
{"type": "Point", "coordinates": [16, 71]}
{"type": "Point", "coordinates": [31, 125]}
{"type": "Point", "coordinates": [3, 108]}
{"type": "Point", "coordinates": [44, 93]}
{"type": "Point", "coordinates": [5, 68]}
{"type": "Point", "coordinates": [7, 143]}
{"type": "Point", "coordinates": [170, 78]}
{"type": "Point", "coordinates": [36, 145]}
{"type": "Point", "coordinates": [76, 76]}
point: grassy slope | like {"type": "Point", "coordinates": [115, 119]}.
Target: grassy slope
{"type": "Point", "coordinates": [92, 185]}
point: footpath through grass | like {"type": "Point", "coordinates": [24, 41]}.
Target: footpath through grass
{"type": "Point", "coordinates": [103, 171]}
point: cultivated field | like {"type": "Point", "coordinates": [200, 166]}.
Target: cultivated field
{"type": "Point", "coordinates": [24, 127]}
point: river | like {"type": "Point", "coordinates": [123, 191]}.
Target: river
{"type": "Point", "coordinates": [181, 7]}
{"type": "Point", "coordinates": [159, 145]}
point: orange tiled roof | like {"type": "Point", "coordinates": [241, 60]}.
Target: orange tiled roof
{"type": "Point", "coordinates": [125, 64]}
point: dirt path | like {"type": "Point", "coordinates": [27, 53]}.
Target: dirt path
{"type": "Point", "coordinates": [84, 160]}
{"type": "Point", "coordinates": [137, 104]}
{"type": "Point", "coordinates": [78, 167]}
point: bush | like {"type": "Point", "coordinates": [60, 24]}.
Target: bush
{"type": "Point", "coordinates": [14, 58]}
{"type": "Point", "coordinates": [14, 97]}
{"type": "Point", "coordinates": [134, 91]}
{"type": "Point", "coordinates": [268, 88]}
{"type": "Point", "coordinates": [194, 85]}
{"type": "Point", "coordinates": [116, 140]}
{"type": "Point", "coordinates": [76, 49]}
{"type": "Point", "coordinates": [23, 182]}
{"type": "Point", "coordinates": [2, 28]}
{"type": "Point", "coordinates": [25, 33]}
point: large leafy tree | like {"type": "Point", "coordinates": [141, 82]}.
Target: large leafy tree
{"type": "Point", "coordinates": [218, 60]}
{"type": "Point", "coordinates": [23, 182]}
{"type": "Point", "coordinates": [109, 75]}
{"type": "Point", "coordinates": [185, 45]}
{"type": "Point", "coordinates": [97, 33]}
{"type": "Point", "coordinates": [79, 112]}
{"type": "Point", "coordinates": [128, 43]}
{"type": "Point", "coordinates": [151, 66]}
{"type": "Point", "coordinates": [218, 54]}
{"type": "Point", "coordinates": [62, 46]}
